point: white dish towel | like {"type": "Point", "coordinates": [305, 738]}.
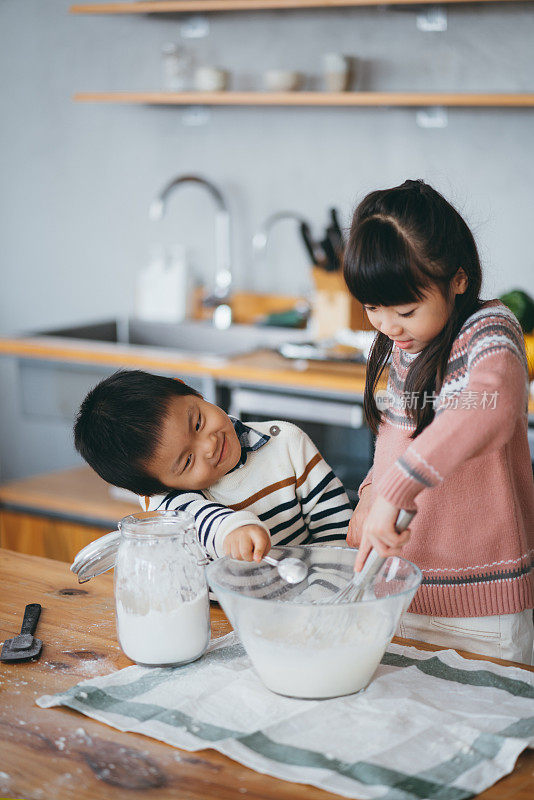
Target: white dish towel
{"type": "Point", "coordinates": [430, 725]}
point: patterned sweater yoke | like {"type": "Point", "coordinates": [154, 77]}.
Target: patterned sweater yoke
{"type": "Point", "coordinates": [468, 474]}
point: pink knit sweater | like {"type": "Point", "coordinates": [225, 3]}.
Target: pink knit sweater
{"type": "Point", "coordinates": [468, 474]}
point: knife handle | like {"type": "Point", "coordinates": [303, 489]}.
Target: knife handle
{"type": "Point", "coordinates": [313, 248]}
{"type": "Point", "coordinates": [332, 261]}
{"type": "Point", "coordinates": [307, 239]}
{"type": "Point", "coordinates": [32, 612]}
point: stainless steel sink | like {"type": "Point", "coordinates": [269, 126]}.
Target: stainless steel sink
{"type": "Point", "coordinates": [190, 338]}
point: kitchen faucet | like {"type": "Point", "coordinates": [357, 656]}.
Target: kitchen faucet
{"type": "Point", "coordinates": [261, 238]}
{"type": "Point", "coordinates": [314, 249]}
{"type": "Point", "coordinates": [222, 314]}
{"type": "Point", "coordinates": [259, 241]}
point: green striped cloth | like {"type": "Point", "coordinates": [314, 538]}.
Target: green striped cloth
{"type": "Point", "coordinates": [430, 725]}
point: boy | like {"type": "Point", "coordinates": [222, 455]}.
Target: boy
{"type": "Point", "coordinates": [247, 487]}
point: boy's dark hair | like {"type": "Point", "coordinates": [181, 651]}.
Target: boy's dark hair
{"type": "Point", "coordinates": [118, 426]}
{"type": "Point", "coordinates": [403, 241]}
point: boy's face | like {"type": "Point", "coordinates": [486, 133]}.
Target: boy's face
{"type": "Point", "coordinates": [198, 445]}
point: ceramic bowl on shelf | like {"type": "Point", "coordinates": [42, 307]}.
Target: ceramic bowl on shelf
{"type": "Point", "coordinates": [211, 79]}
{"type": "Point", "coordinates": [281, 80]}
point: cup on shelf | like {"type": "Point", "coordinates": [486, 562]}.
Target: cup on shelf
{"type": "Point", "coordinates": [177, 65]}
{"type": "Point", "coordinates": [336, 72]}
{"type": "Point", "coordinates": [211, 79]}
{"type": "Point", "coordinates": [281, 80]}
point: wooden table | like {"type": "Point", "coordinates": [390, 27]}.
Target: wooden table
{"type": "Point", "coordinates": [57, 754]}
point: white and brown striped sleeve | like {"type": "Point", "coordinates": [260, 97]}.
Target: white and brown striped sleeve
{"type": "Point", "coordinates": [325, 506]}
{"type": "Point", "coordinates": [213, 521]}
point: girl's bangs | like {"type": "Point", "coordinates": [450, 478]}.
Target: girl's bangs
{"type": "Point", "coordinates": [381, 270]}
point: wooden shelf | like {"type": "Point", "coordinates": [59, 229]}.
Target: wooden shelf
{"type": "Point", "coordinates": [197, 6]}
{"type": "Point", "coordinates": [342, 99]}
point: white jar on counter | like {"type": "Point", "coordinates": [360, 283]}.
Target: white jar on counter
{"type": "Point", "coordinates": [161, 593]}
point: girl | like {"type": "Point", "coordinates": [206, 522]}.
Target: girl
{"type": "Point", "coordinates": [452, 432]}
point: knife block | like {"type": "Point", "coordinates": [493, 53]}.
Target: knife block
{"type": "Point", "coordinates": [333, 306]}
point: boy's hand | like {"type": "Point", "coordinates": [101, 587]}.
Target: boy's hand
{"type": "Point", "coordinates": [247, 543]}
{"type": "Point", "coordinates": [354, 535]}
{"type": "Point", "coordinates": [378, 531]}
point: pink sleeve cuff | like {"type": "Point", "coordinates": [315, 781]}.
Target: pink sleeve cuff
{"type": "Point", "coordinates": [399, 488]}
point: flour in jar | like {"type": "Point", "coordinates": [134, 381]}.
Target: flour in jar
{"type": "Point", "coordinates": [310, 661]}
{"type": "Point", "coordinates": [164, 637]}
{"type": "Point", "coordinates": [161, 596]}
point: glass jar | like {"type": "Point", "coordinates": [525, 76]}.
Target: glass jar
{"type": "Point", "coordinates": [161, 593]}
{"type": "Point", "coordinates": [177, 67]}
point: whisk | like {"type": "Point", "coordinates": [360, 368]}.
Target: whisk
{"type": "Point", "coordinates": [356, 587]}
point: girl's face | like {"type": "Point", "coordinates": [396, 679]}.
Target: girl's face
{"type": "Point", "coordinates": [414, 325]}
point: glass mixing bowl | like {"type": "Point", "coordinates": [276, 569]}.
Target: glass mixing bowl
{"type": "Point", "coordinates": [300, 644]}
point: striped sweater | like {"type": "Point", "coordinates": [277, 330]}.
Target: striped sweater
{"type": "Point", "coordinates": [468, 474]}
{"type": "Point", "coordinates": [281, 483]}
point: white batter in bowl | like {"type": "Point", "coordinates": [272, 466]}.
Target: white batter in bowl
{"type": "Point", "coordinates": [308, 650]}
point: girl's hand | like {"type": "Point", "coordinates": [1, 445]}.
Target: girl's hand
{"type": "Point", "coordinates": [247, 543]}
{"type": "Point", "coordinates": [354, 535]}
{"type": "Point", "coordinates": [379, 532]}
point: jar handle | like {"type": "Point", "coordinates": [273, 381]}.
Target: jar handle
{"type": "Point", "coordinates": [198, 551]}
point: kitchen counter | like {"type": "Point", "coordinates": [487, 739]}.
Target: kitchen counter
{"type": "Point", "coordinates": [47, 753]}
{"type": "Point", "coordinates": [260, 368]}
{"type": "Point", "coordinates": [58, 513]}
{"type": "Point", "coordinates": [77, 494]}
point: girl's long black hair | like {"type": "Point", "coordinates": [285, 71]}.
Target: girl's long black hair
{"type": "Point", "coordinates": [403, 242]}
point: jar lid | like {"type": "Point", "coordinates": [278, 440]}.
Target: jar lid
{"type": "Point", "coordinates": [98, 557]}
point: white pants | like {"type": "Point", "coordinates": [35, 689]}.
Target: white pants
{"type": "Point", "coordinates": [509, 636]}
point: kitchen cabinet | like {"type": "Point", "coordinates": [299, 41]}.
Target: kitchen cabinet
{"type": "Point", "coordinates": [50, 537]}
{"type": "Point", "coordinates": [56, 514]}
